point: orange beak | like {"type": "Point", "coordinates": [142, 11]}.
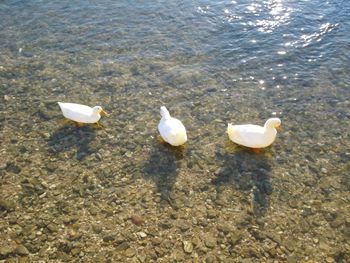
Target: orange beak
{"type": "Point", "coordinates": [103, 113]}
{"type": "Point", "coordinates": [279, 127]}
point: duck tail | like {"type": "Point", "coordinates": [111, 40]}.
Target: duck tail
{"type": "Point", "coordinates": [231, 131]}
{"type": "Point", "coordinates": [164, 112]}
{"type": "Point", "coordinates": [60, 104]}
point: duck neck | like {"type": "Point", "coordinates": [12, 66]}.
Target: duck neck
{"type": "Point", "coordinates": [164, 113]}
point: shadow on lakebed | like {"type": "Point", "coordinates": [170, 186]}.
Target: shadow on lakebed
{"type": "Point", "coordinates": [247, 171]}
{"type": "Point", "coordinates": [70, 137]}
{"type": "Point", "coordinates": [163, 167]}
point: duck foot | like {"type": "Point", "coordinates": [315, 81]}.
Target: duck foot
{"type": "Point", "coordinates": [257, 150]}
{"type": "Point", "coordinates": [66, 121]}
{"type": "Point", "coordinates": [98, 125]}
{"type": "Point", "coordinates": [79, 124]}
{"type": "Point", "coordinates": [161, 141]}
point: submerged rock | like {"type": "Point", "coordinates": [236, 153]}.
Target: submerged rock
{"type": "Point", "coordinates": [130, 252]}
{"type": "Point", "coordinates": [6, 204]}
{"type": "Point", "coordinates": [210, 241]}
{"type": "Point", "coordinates": [188, 246]}
{"type": "Point", "coordinates": [137, 220]}
{"type": "Point", "coordinates": [22, 250]}
{"type": "Point", "coordinates": [7, 249]}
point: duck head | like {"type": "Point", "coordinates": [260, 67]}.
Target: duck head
{"type": "Point", "coordinates": [273, 123]}
{"type": "Point", "coordinates": [98, 110]}
{"type": "Point", "coordinates": [164, 112]}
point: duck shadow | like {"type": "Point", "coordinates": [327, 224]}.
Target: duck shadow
{"type": "Point", "coordinates": [67, 138]}
{"type": "Point", "coordinates": [247, 171]}
{"type": "Point", "coordinates": [163, 167]}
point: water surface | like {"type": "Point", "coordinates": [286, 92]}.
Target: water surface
{"type": "Point", "coordinates": [118, 193]}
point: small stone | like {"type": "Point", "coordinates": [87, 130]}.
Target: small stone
{"type": "Point", "coordinates": [293, 203]}
{"type": "Point", "coordinates": [292, 258]}
{"type": "Point", "coordinates": [324, 246]}
{"type": "Point", "coordinates": [98, 156]}
{"type": "Point", "coordinates": [274, 237]}
{"type": "Point", "coordinates": [13, 168]}
{"type": "Point", "coordinates": [337, 222]}
{"type": "Point", "coordinates": [52, 227]}
{"type": "Point", "coordinates": [142, 234]}
{"type": "Point", "coordinates": [128, 154]}
{"type": "Point", "coordinates": [108, 237]}
{"type": "Point", "coordinates": [94, 210]}
{"type": "Point", "coordinates": [7, 205]}
{"type": "Point", "coordinates": [289, 244]}
{"type": "Point", "coordinates": [156, 241]}
{"type": "Point", "coordinates": [210, 242]}
{"type": "Point", "coordinates": [203, 222]}
{"type": "Point", "coordinates": [142, 258]}
{"type": "Point", "coordinates": [137, 220]}
{"type": "Point", "coordinates": [22, 250]}
{"type": "Point", "coordinates": [63, 256]}
{"type": "Point", "coordinates": [211, 213]}
{"type": "Point", "coordinates": [130, 252]}
{"type": "Point", "coordinates": [235, 237]}
{"type": "Point", "coordinates": [74, 235]}
{"type": "Point", "coordinates": [6, 250]}
{"type": "Point", "coordinates": [210, 259]}
{"type": "Point", "coordinates": [75, 252]}
{"type": "Point", "coordinates": [97, 228]}
{"type": "Point", "coordinates": [166, 225]}
{"type": "Point", "coordinates": [196, 241]}
{"type": "Point", "coordinates": [188, 246]}
{"type": "Point", "coordinates": [184, 227]}
{"type": "Point", "coordinates": [122, 246]}
{"type": "Point", "coordinates": [7, 97]}
{"type": "Point", "coordinates": [224, 228]}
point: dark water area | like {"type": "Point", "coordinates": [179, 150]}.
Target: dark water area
{"type": "Point", "coordinates": [118, 194]}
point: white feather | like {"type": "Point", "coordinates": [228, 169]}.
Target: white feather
{"type": "Point", "coordinates": [254, 136]}
{"type": "Point", "coordinates": [171, 129]}
{"type": "Point", "coordinates": [79, 113]}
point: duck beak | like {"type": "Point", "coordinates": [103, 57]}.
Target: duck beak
{"type": "Point", "coordinates": [279, 127]}
{"type": "Point", "coordinates": [103, 113]}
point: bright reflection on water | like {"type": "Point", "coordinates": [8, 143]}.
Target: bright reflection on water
{"type": "Point", "coordinates": [90, 194]}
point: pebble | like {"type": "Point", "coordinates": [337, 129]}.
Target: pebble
{"type": "Point", "coordinates": [130, 252]}
{"type": "Point", "coordinates": [52, 227]}
{"type": "Point", "coordinates": [211, 213]}
{"type": "Point", "coordinates": [122, 246]}
{"type": "Point", "coordinates": [235, 237]}
{"type": "Point", "coordinates": [22, 250]}
{"type": "Point", "coordinates": [6, 250]}
{"type": "Point", "coordinates": [210, 259]}
{"type": "Point", "coordinates": [6, 204]}
{"type": "Point", "coordinates": [97, 228]}
{"type": "Point", "coordinates": [137, 220]}
{"type": "Point", "coordinates": [108, 237]}
{"type": "Point", "coordinates": [224, 228]}
{"type": "Point", "coordinates": [210, 242]}
{"type": "Point", "coordinates": [142, 234]}
{"type": "Point", "coordinates": [188, 246]}
{"type": "Point", "coordinates": [184, 227]}
{"type": "Point", "coordinates": [292, 258]}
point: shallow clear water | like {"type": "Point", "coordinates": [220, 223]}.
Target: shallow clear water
{"type": "Point", "coordinates": [118, 193]}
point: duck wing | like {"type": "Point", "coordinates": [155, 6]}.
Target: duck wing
{"type": "Point", "coordinates": [249, 135]}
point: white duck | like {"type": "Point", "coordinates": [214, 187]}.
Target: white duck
{"type": "Point", "coordinates": [81, 113]}
{"type": "Point", "coordinates": [254, 136]}
{"type": "Point", "coordinates": [171, 129]}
